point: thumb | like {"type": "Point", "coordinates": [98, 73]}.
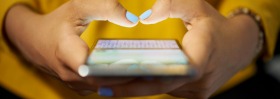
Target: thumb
{"type": "Point", "coordinates": [111, 10]}
{"type": "Point", "coordinates": [187, 10]}
{"type": "Point", "coordinates": [120, 16]}
{"type": "Point", "coordinates": [159, 12]}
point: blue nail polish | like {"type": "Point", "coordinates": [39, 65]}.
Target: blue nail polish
{"type": "Point", "coordinates": [131, 17]}
{"type": "Point", "coordinates": [146, 14]}
{"type": "Point", "coordinates": [83, 70]}
{"type": "Point", "coordinates": [105, 92]}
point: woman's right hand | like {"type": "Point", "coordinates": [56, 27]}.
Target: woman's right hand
{"type": "Point", "coordinates": [52, 41]}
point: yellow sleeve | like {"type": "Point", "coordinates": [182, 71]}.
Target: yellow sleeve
{"type": "Point", "coordinates": [269, 10]}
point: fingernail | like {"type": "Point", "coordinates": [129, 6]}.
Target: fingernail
{"type": "Point", "coordinates": [146, 14]}
{"type": "Point", "coordinates": [131, 17]}
{"type": "Point", "coordinates": [105, 92]}
{"type": "Point", "coordinates": [83, 70]}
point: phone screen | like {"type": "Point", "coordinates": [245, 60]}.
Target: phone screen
{"type": "Point", "coordinates": [136, 58]}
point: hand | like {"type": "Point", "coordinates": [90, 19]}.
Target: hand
{"type": "Point", "coordinates": [52, 41]}
{"type": "Point", "coordinates": [217, 48]}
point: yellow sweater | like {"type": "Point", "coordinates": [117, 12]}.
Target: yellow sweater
{"type": "Point", "coordinates": [28, 82]}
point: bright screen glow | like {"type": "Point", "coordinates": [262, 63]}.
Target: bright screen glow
{"type": "Point", "coordinates": [137, 58]}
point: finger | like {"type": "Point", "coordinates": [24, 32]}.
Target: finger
{"type": "Point", "coordinates": [142, 87]}
{"type": "Point", "coordinates": [74, 81]}
{"type": "Point", "coordinates": [159, 12]}
{"type": "Point", "coordinates": [111, 10]}
{"type": "Point", "coordinates": [119, 15]}
{"type": "Point", "coordinates": [80, 85]}
{"type": "Point", "coordinates": [187, 10]}
{"type": "Point", "coordinates": [71, 49]}
{"type": "Point", "coordinates": [74, 56]}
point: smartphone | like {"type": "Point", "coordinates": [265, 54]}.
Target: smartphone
{"type": "Point", "coordinates": [127, 57]}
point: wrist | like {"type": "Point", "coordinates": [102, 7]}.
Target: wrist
{"type": "Point", "coordinates": [247, 21]}
{"type": "Point", "coordinates": [242, 35]}
{"type": "Point", "coordinates": [257, 20]}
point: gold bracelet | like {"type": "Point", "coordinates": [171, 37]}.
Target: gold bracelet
{"type": "Point", "coordinates": [257, 19]}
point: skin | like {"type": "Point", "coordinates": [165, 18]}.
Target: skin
{"type": "Point", "coordinates": [217, 47]}
{"type": "Point", "coordinates": [52, 41]}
